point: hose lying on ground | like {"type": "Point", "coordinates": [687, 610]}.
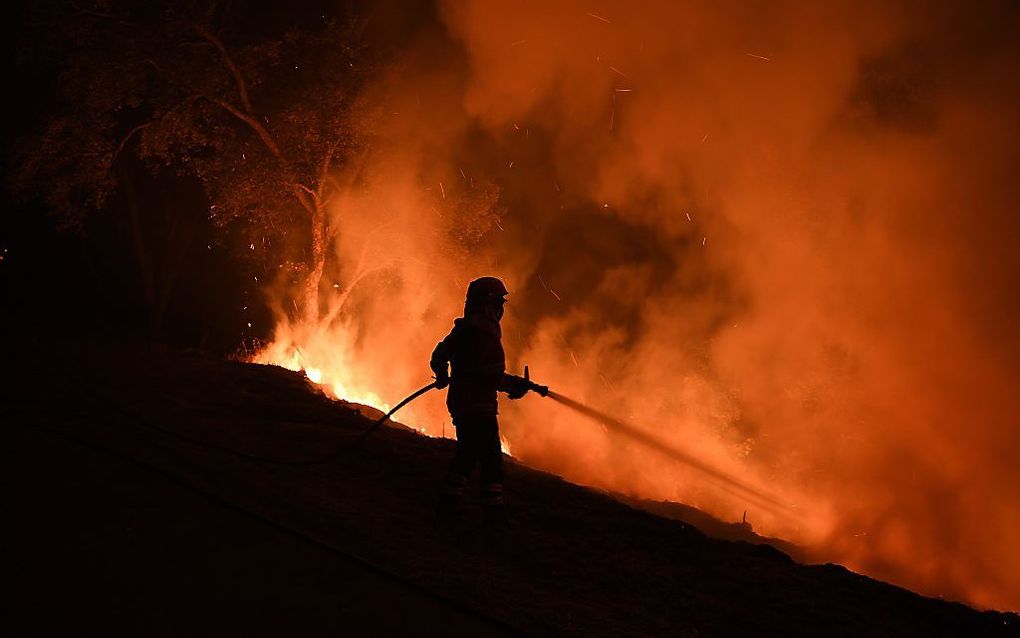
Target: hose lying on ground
{"type": "Point", "coordinates": [361, 437]}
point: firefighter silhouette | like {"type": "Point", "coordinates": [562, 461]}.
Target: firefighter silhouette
{"type": "Point", "coordinates": [477, 371]}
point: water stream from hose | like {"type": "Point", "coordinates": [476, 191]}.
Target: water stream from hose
{"type": "Point", "coordinates": [720, 478]}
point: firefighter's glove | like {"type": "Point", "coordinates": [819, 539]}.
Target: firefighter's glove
{"type": "Point", "coordinates": [517, 387]}
{"type": "Point", "coordinates": [442, 380]}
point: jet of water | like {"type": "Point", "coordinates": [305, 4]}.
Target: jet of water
{"type": "Point", "coordinates": [721, 479]}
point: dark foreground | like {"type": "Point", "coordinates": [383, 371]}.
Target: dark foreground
{"type": "Point", "coordinates": [153, 492]}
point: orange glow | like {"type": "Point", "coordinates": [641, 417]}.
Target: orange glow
{"type": "Point", "coordinates": [772, 236]}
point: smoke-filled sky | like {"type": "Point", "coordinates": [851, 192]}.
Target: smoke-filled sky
{"type": "Point", "coordinates": [782, 236]}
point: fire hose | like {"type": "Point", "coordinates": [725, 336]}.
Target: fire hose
{"type": "Point", "coordinates": [364, 435]}
{"type": "Point", "coordinates": [531, 386]}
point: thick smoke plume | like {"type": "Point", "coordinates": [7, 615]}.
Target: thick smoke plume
{"type": "Point", "coordinates": [779, 236]}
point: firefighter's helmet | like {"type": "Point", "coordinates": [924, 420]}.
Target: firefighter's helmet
{"type": "Point", "coordinates": [486, 289]}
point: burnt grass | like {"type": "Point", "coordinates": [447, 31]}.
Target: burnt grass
{"type": "Point", "coordinates": [164, 492]}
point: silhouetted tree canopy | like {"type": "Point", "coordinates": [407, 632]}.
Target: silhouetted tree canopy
{"type": "Point", "coordinates": [259, 114]}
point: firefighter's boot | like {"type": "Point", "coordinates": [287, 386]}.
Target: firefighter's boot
{"type": "Point", "coordinates": [451, 501]}
{"type": "Point", "coordinates": [493, 505]}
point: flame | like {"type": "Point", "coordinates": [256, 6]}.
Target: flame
{"type": "Point", "coordinates": [338, 380]}
{"type": "Point", "coordinates": [330, 363]}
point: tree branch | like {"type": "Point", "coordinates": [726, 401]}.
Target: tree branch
{"type": "Point", "coordinates": [99, 14]}
{"type": "Point", "coordinates": [127, 138]}
{"type": "Point", "coordinates": [246, 115]}
{"type": "Point", "coordinates": [306, 203]}
{"type": "Point", "coordinates": [242, 86]}
{"type": "Point", "coordinates": [327, 162]}
{"type": "Point", "coordinates": [140, 127]}
{"type": "Point", "coordinates": [252, 122]}
{"type": "Point", "coordinates": [307, 190]}
{"type": "Point", "coordinates": [300, 188]}
{"type": "Point", "coordinates": [267, 139]}
{"type": "Point", "coordinates": [336, 185]}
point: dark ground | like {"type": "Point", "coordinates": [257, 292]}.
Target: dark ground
{"type": "Point", "coordinates": [149, 491]}
{"type": "Point", "coordinates": [99, 543]}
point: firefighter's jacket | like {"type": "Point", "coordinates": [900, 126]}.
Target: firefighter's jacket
{"type": "Point", "coordinates": [477, 367]}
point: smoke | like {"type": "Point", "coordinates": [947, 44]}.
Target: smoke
{"type": "Point", "coordinates": [780, 236]}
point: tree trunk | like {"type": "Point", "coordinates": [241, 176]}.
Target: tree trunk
{"type": "Point", "coordinates": [320, 245]}
{"type": "Point", "coordinates": [143, 257]}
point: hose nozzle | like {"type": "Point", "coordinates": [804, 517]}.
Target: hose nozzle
{"type": "Point", "coordinates": [534, 387]}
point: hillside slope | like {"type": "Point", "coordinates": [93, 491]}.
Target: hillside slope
{"type": "Point", "coordinates": [260, 442]}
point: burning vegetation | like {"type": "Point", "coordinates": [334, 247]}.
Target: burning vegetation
{"type": "Point", "coordinates": [775, 240]}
